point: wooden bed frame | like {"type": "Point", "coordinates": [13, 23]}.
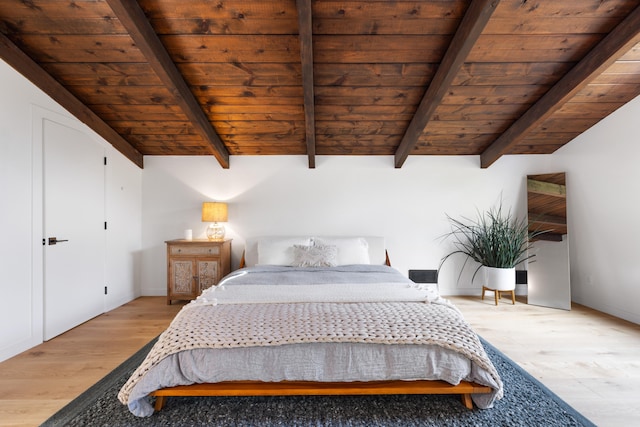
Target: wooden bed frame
{"type": "Point", "coordinates": [311, 388]}
{"type": "Point", "coordinates": [308, 388]}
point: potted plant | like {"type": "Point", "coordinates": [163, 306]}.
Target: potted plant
{"type": "Point", "coordinates": [497, 240]}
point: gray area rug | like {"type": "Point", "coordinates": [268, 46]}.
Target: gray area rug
{"type": "Point", "coordinates": [526, 403]}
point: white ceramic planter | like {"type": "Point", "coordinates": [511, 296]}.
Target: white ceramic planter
{"type": "Point", "coordinates": [500, 279]}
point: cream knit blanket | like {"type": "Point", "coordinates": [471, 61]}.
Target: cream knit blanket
{"type": "Point", "coordinates": [250, 325]}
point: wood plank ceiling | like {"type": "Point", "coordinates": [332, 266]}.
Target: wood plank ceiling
{"type": "Point", "coordinates": [303, 77]}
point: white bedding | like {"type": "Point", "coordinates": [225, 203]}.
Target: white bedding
{"type": "Point", "coordinates": [354, 292]}
{"type": "Point", "coordinates": [354, 325]}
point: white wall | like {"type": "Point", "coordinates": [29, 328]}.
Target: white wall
{"type": "Point", "coordinates": [124, 231]}
{"type": "Point", "coordinates": [21, 216]}
{"type": "Point", "coordinates": [17, 328]}
{"type": "Point", "coordinates": [603, 208]}
{"type": "Point", "coordinates": [273, 195]}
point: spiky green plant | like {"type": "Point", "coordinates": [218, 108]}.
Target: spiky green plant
{"type": "Point", "coordinates": [494, 239]}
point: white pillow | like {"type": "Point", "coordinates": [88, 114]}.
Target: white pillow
{"type": "Point", "coordinates": [351, 250]}
{"type": "Point", "coordinates": [315, 255]}
{"type": "Point", "coordinates": [279, 250]}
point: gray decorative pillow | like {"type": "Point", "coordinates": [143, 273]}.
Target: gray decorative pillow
{"type": "Point", "coordinates": [315, 256]}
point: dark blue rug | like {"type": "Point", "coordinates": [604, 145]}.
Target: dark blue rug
{"type": "Point", "coordinates": [527, 402]}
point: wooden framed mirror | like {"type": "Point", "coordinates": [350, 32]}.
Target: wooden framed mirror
{"type": "Point", "coordinates": [548, 282]}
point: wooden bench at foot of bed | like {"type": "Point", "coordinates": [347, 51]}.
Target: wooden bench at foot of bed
{"type": "Point", "coordinates": [307, 388]}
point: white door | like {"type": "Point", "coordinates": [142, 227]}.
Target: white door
{"type": "Point", "coordinates": [74, 266]}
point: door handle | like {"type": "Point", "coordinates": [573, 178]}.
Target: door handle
{"type": "Point", "coordinates": [54, 240]}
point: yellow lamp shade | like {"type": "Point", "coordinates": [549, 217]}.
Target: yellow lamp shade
{"type": "Point", "coordinates": [214, 212]}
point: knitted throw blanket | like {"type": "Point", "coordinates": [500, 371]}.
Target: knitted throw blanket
{"type": "Point", "coordinates": [251, 325]}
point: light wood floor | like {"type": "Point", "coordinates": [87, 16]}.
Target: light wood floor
{"type": "Point", "coordinates": [591, 360]}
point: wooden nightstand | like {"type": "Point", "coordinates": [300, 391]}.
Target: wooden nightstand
{"type": "Point", "coordinates": [195, 265]}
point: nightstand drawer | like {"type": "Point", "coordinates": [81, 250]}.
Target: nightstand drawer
{"type": "Point", "coordinates": [194, 250]}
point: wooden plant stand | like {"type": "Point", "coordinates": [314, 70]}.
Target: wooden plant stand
{"type": "Point", "coordinates": [498, 294]}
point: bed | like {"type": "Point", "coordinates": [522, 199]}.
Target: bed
{"type": "Point", "coordinates": [315, 316]}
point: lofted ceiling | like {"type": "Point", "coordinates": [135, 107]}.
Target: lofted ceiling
{"type": "Point", "coordinates": [351, 77]}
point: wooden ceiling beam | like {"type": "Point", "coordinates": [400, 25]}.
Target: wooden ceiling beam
{"type": "Point", "coordinates": [135, 21]}
{"type": "Point", "coordinates": [22, 63]}
{"type": "Point", "coordinates": [305, 31]}
{"type": "Point", "coordinates": [470, 28]}
{"type": "Point", "coordinates": [618, 42]}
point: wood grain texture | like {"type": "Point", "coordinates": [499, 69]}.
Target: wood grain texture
{"type": "Point", "coordinates": [586, 357]}
{"type": "Point", "coordinates": [533, 65]}
{"type": "Point", "coordinates": [620, 40]}
{"type": "Point", "coordinates": [134, 19]}
{"type": "Point", "coordinates": [306, 58]}
{"type": "Point", "coordinates": [475, 19]}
